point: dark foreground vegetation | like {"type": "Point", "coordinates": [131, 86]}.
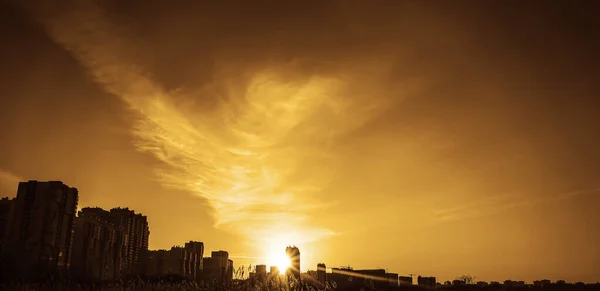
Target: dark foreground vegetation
{"type": "Point", "coordinates": [175, 282]}
{"type": "Point", "coordinates": [172, 284]}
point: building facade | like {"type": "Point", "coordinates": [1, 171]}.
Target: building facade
{"type": "Point", "coordinates": [39, 235]}
{"type": "Point", "coordinates": [405, 280]}
{"type": "Point", "coordinates": [261, 273]}
{"type": "Point", "coordinates": [6, 206]}
{"type": "Point", "coordinates": [392, 279]}
{"type": "Point", "coordinates": [138, 234]}
{"type": "Point", "coordinates": [178, 261]}
{"type": "Point", "coordinates": [99, 248]}
{"type": "Point", "coordinates": [428, 282]}
{"type": "Point", "coordinates": [6, 210]}
{"type": "Point", "coordinates": [346, 277]}
{"type": "Point", "coordinates": [197, 248]}
{"type": "Point", "coordinates": [218, 267]}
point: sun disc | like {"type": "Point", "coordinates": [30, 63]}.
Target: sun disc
{"type": "Point", "coordinates": [279, 259]}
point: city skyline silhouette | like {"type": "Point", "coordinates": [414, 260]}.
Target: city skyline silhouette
{"type": "Point", "coordinates": [434, 138]}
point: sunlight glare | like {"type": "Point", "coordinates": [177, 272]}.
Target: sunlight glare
{"type": "Point", "coordinates": [278, 258]}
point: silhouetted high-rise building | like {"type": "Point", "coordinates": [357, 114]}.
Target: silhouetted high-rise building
{"type": "Point", "coordinates": [138, 233]}
{"type": "Point", "coordinates": [197, 248]}
{"type": "Point", "coordinates": [321, 273]}
{"type": "Point", "coordinates": [99, 247]}
{"type": "Point", "coordinates": [6, 205]}
{"type": "Point", "coordinates": [294, 254]}
{"type": "Point", "coordinates": [39, 235]}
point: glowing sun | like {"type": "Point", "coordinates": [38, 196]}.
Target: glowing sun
{"type": "Point", "coordinates": [277, 257]}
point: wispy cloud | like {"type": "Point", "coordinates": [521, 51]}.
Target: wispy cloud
{"type": "Point", "coordinates": [496, 204]}
{"type": "Point", "coordinates": [253, 157]}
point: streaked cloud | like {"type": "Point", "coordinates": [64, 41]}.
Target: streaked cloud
{"type": "Point", "coordinates": [497, 204]}
{"type": "Point", "coordinates": [248, 155]}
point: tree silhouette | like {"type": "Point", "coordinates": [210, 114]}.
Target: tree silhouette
{"type": "Point", "coordinates": [467, 279]}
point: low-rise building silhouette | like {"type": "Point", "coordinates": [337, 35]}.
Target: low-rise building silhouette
{"type": "Point", "coordinates": [343, 276]}
{"type": "Point", "coordinates": [321, 273]}
{"type": "Point", "coordinates": [347, 277]}
{"type": "Point", "coordinates": [511, 283]}
{"type": "Point", "coordinates": [405, 280]}
{"type": "Point", "coordinates": [157, 263]}
{"type": "Point", "coordinates": [261, 273]}
{"type": "Point", "coordinates": [39, 233]}
{"type": "Point", "coordinates": [428, 282]}
{"type": "Point", "coordinates": [218, 267]}
{"type": "Point", "coordinates": [542, 283]}
{"type": "Point", "coordinates": [178, 261]}
{"type": "Point", "coordinates": [392, 279]}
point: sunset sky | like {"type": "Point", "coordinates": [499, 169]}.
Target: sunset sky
{"type": "Point", "coordinates": [438, 138]}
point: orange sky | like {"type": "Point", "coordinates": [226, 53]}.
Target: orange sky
{"type": "Point", "coordinates": [429, 139]}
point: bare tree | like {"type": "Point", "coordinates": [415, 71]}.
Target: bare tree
{"type": "Point", "coordinates": [467, 279]}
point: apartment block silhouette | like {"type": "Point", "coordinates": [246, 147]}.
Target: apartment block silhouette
{"type": "Point", "coordinates": [138, 233]}
{"type": "Point", "coordinates": [39, 233]}
{"type": "Point", "coordinates": [196, 248]}
{"type": "Point", "coordinates": [218, 267]}
{"type": "Point", "coordinates": [100, 246]}
{"type": "Point", "coordinates": [6, 206]}
{"type": "Point", "coordinates": [6, 209]}
{"type": "Point", "coordinates": [178, 261]}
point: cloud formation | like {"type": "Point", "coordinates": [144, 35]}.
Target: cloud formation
{"type": "Point", "coordinates": [497, 204]}
{"type": "Point", "coordinates": [252, 156]}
